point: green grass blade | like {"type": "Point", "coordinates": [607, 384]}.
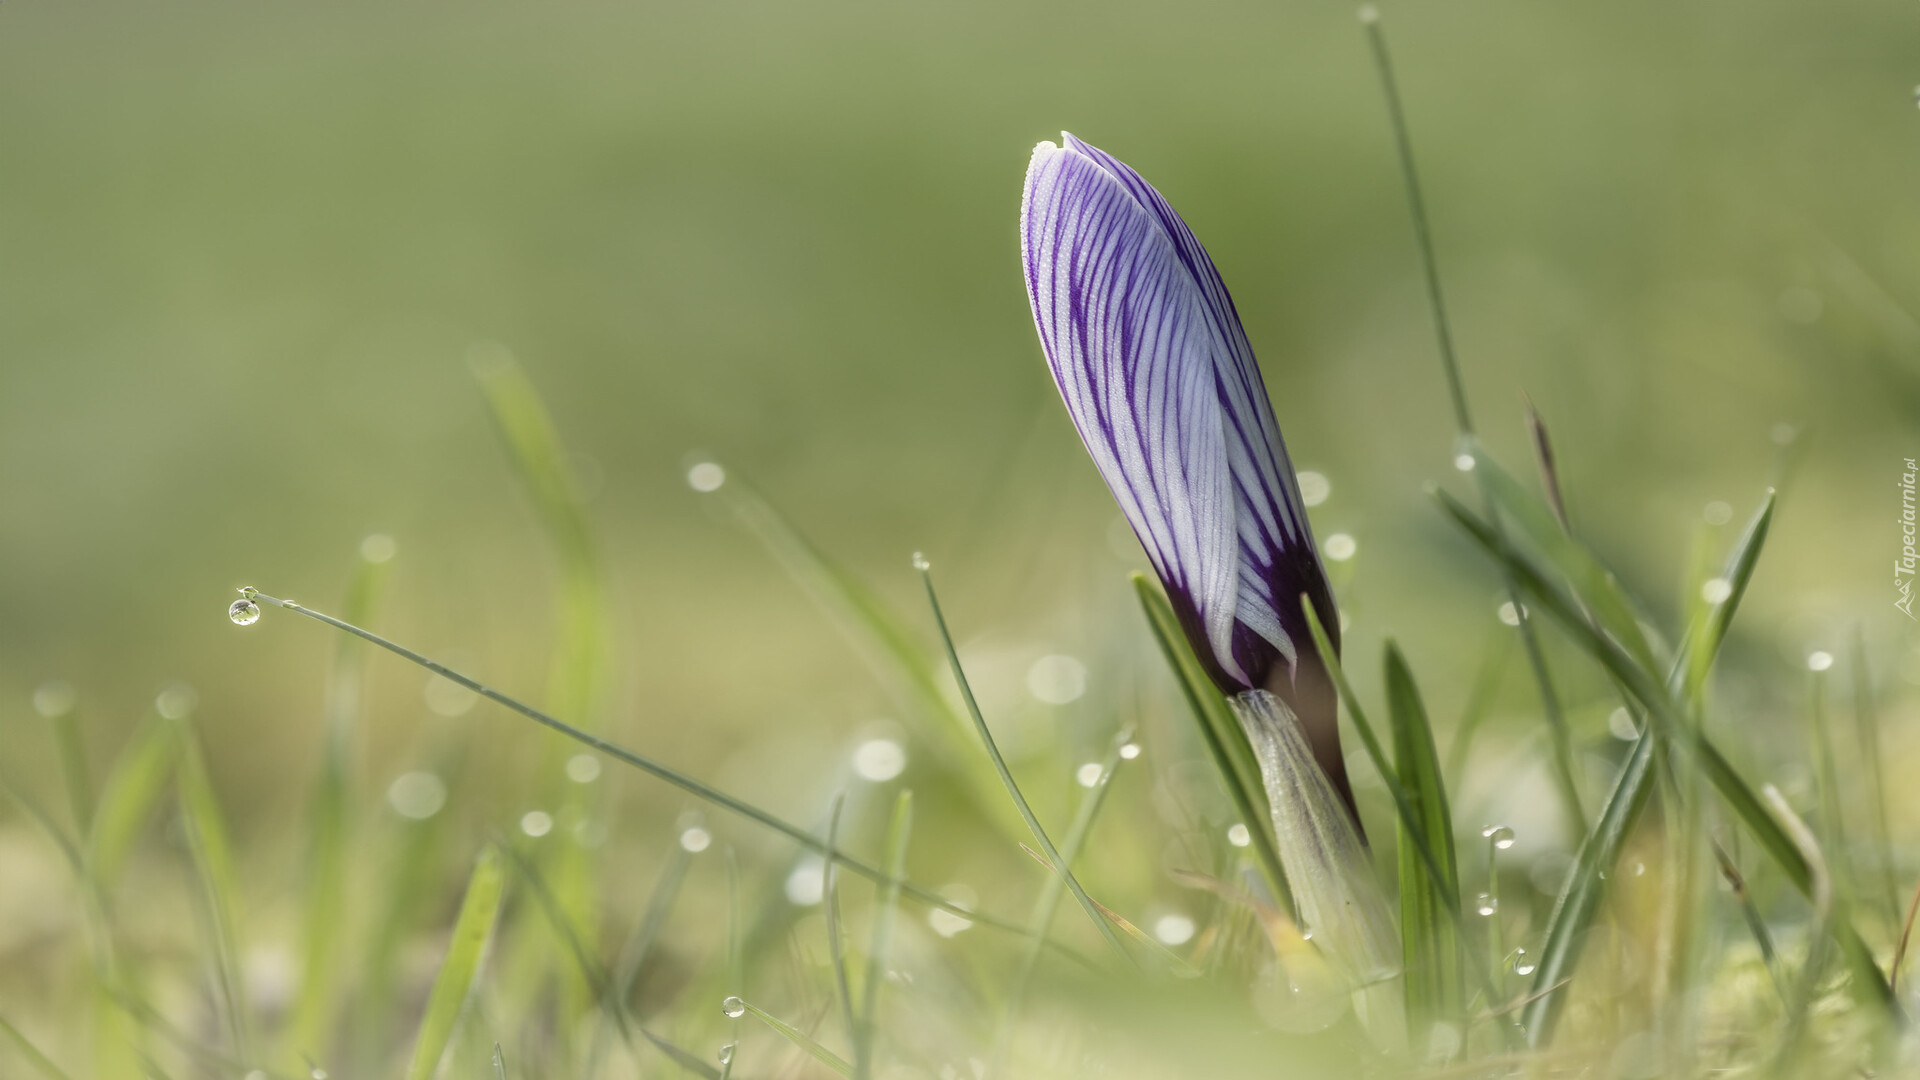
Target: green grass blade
{"type": "Point", "coordinates": [830, 904]}
{"type": "Point", "coordinates": [638, 947]}
{"type": "Point", "coordinates": [73, 765]}
{"type": "Point", "coordinates": [1232, 757]}
{"type": "Point", "coordinates": [128, 798]}
{"type": "Point", "coordinates": [1006, 775]}
{"type": "Point", "coordinates": [32, 808]}
{"type": "Point", "coordinates": [609, 991]}
{"type": "Point", "coordinates": [1579, 899]}
{"type": "Point", "coordinates": [1596, 586]}
{"type": "Point", "coordinates": [499, 1063]}
{"type": "Point", "coordinates": [899, 831]}
{"type": "Point", "coordinates": [42, 1063]}
{"type": "Point", "coordinates": [472, 931]}
{"type": "Point", "coordinates": [1866, 719]}
{"type": "Point", "coordinates": [1542, 585]}
{"type": "Point", "coordinates": [878, 635]}
{"type": "Point", "coordinates": [212, 854]}
{"type": "Point", "coordinates": [645, 764]}
{"type": "Point", "coordinates": [800, 1039]}
{"type": "Point", "coordinates": [1431, 945]}
{"type": "Point", "coordinates": [547, 472]}
{"type": "Point", "coordinates": [330, 821]}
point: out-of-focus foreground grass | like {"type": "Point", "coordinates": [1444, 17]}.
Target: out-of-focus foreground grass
{"type": "Point", "coordinates": [246, 251]}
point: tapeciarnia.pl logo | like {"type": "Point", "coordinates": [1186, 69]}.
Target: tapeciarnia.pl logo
{"type": "Point", "coordinates": [1903, 566]}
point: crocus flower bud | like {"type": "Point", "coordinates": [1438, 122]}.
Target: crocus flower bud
{"type": "Point", "coordinates": [1156, 371]}
{"type": "Point", "coordinates": [1150, 357]}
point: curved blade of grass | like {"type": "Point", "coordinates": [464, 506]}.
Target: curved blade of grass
{"type": "Point", "coordinates": [800, 1039]}
{"type": "Point", "coordinates": [647, 765]}
{"type": "Point", "coordinates": [41, 1062]}
{"type": "Point", "coordinates": [127, 799]}
{"type": "Point", "coordinates": [1048, 903]}
{"type": "Point", "coordinates": [878, 636]}
{"type": "Point", "coordinates": [212, 855]}
{"type": "Point", "coordinates": [1232, 757]}
{"type": "Point", "coordinates": [42, 818]}
{"type": "Point", "coordinates": [1866, 721]}
{"type": "Point", "coordinates": [1431, 945]}
{"type": "Point", "coordinates": [73, 766]}
{"type": "Point", "coordinates": [547, 472]}
{"type": "Point", "coordinates": [639, 944]}
{"type": "Point", "coordinates": [1579, 899]}
{"type": "Point", "coordinates": [472, 930]}
{"type": "Point", "coordinates": [830, 903]}
{"type": "Point", "coordinates": [499, 1063]}
{"type": "Point", "coordinates": [1006, 775]}
{"type": "Point", "coordinates": [1546, 588]}
{"type": "Point", "coordinates": [1596, 586]}
{"type": "Point", "coordinates": [899, 830]}
{"type": "Point", "coordinates": [604, 988]}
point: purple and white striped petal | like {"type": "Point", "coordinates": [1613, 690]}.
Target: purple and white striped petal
{"type": "Point", "coordinates": [1157, 374]}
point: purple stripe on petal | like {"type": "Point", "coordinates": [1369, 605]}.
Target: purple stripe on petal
{"type": "Point", "coordinates": [1157, 374]}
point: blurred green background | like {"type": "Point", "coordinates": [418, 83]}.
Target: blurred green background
{"type": "Point", "coordinates": [246, 248]}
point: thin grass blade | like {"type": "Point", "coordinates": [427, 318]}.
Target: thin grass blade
{"type": "Point", "coordinates": [800, 1039]}
{"type": "Point", "coordinates": [472, 931]}
{"type": "Point", "coordinates": [128, 799]}
{"type": "Point", "coordinates": [1429, 939]}
{"type": "Point", "coordinates": [899, 832]}
{"type": "Point", "coordinates": [212, 854]}
{"type": "Point", "coordinates": [1006, 775]}
{"type": "Point", "coordinates": [41, 1063]}
{"type": "Point", "coordinates": [1225, 743]}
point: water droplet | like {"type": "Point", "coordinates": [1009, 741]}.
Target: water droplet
{"type": "Point", "coordinates": [878, 760]}
{"type": "Point", "coordinates": [1463, 462]}
{"type": "Point", "coordinates": [1620, 725]}
{"type": "Point", "coordinates": [920, 562]}
{"type": "Point", "coordinates": [176, 702]}
{"type": "Point", "coordinates": [706, 476]}
{"type": "Point", "coordinates": [1130, 751]}
{"type": "Point", "coordinates": [1088, 774]}
{"type": "Point", "coordinates": [1487, 904]}
{"type": "Point", "coordinates": [1717, 513]}
{"type": "Point", "coordinates": [536, 823]}
{"type": "Point", "coordinates": [1518, 962]}
{"type": "Point", "coordinates": [1716, 590]}
{"type": "Point", "coordinates": [695, 840]}
{"type": "Point", "coordinates": [1173, 929]}
{"type": "Point", "coordinates": [1501, 836]}
{"type": "Point", "coordinates": [806, 885]}
{"type": "Point", "coordinates": [1340, 547]}
{"type": "Point", "coordinates": [1314, 487]}
{"type": "Point", "coordinates": [946, 923]}
{"type": "Point", "coordinates": [1819, 661]}
{"type": "Point", "coordinates": [417, 795]}
{"type": "Point", "coordinates": [1783, 433]}
{"type": "Point", "coordinates": [54, 699]}
{"type": "Point", "coordinates": [734, 1007]}
{"type": "Point", "coordinates": [378, 548]}
{"type": "Point", "coordinates": [1509, 614]}
{"type": "Point", "coordinates": [1057, 679]}
{"type": "Point", "coordinates": [726, 1052]}
{"type": "Point", "coordinates": [1239, 835]}
{"type": "Point", "coordinates": [1639, 869]}
{"type": "Point", "coordinates": [243, 612]}
{"type": "Point", "coordinates": [583, 768]}
{"type": "Point", "coordinates": [318, 1073]}
{"type": "Point", "coordinates": [249, 592]}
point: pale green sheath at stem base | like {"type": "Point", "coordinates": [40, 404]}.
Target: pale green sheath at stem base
{"type": "Point", "coordinates": [1342, 909]}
